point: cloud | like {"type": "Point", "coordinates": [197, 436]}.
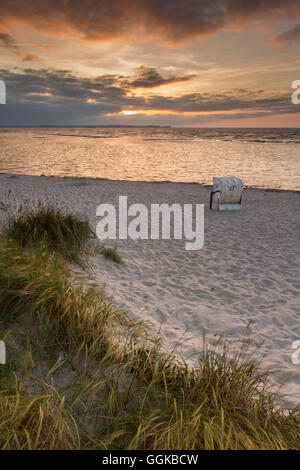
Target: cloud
{"type": "Point", "coordinates": [170, 20]}
{"type": "Point", "coordinates": [51, 94]}
{"type": "Point", "coordinates": [149, 77]}
{"type": "Point", "coordinates": [61, 87]}
{"type": "Point", "coordinates": [289, 36]}
{"type": "Point", "coordinates": [27, 57]}
{"type": "Point", "coordinates": [6, 40]}
{"type": "Point", "coordinates": [64, 85]}
{"type": "Point", "coordinates": [106, 19]}
{"type": "Point", "coordinates": [254, 8]}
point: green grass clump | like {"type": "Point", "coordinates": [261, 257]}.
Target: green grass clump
{"type": "Point", "coordinates": [111, 253]}
{"type": "Point", "coordinates": [61, 231]}
{"type": "Point", "coordinates": [35, 422]}
{"type": "Point", "coordinates": [223, 403]}
{"type": "Point", "coordinates": [36, 283]}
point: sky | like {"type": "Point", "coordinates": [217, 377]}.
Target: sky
{"type": "Point", "coordinates": [188, 63]}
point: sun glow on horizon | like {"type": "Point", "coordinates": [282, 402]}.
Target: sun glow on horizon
{"type": "Point", "coordinates": [154, 112]}
{"type": "Point", "coordinates": [128, 112]}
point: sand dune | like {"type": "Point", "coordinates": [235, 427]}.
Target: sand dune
{"type": "Point", "coordinates": [244, 283]}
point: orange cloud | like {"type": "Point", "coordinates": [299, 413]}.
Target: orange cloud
{"type": "Point", "coordinates": [27, 56]}
{"type": "Point", "coordinates": [161, 112]}
{"type": "Point", "coordinates": [274, 120]}
{"type": "Point", "coordinates": [170, 20]}
{"type": "Point", "coordinates": [289, 36]}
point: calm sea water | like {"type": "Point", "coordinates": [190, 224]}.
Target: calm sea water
{"type": "Point", "coordinates": [268, 158]}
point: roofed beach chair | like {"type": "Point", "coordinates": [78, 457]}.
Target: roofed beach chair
{"type": "Point", "coordinates": [226, 194]}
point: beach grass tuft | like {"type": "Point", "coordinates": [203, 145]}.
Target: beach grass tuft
{"type": "Point", "coordinates": [45, 223]}
{"type": "Point", "coordinates": [36, 282]}
{"type": "Point", "coordinates": [36, 422]}
{"type": "Point", "coordinates": [111, 253]}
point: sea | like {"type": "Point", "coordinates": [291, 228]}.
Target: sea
{"type": "Point", "coordinates": [263, 158]}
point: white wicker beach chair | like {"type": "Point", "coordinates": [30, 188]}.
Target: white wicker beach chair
{"type": "Point", "coordinates": [226, 194]}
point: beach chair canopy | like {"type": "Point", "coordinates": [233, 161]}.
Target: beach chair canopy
{"type": "Point", "coordinates": [226, 193]}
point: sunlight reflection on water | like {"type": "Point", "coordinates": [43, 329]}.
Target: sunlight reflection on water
{"type": "Point", "coordinates": [268, 158]}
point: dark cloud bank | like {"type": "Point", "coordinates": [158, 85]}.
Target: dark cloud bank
{"type": "Point", "coordinates": [171, 20]}
{"type": "Point", "coordinates": [59, 97]}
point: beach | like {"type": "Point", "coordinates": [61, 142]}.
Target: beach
{"type": "Point", "coordinates": [243, 285]}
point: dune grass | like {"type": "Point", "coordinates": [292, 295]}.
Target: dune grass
{"type": "Point", "coordinates": [58, 230]}
{"type": "Point", "coordinates": [108, 382]}
{"type": "Point", "coordinates": [63, 232]}
{"type": "Point", "coordinates": [111, 253]}
{"type": "Point", "coordinates": [35, 422]}
{"type": "Point", "coordinates": [36, 283]}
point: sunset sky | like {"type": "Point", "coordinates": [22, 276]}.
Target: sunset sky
{"type": "Point", "coordinates": [150, 62]}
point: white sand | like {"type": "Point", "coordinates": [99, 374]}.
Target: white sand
{"type": "Point", "coordinates": [248, 272]}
